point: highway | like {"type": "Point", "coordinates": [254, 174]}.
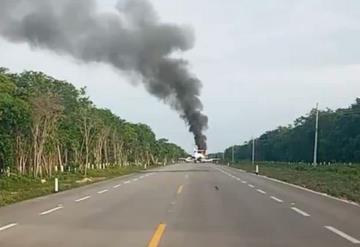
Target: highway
{"type": "Point", "coordinates": [182, 205]}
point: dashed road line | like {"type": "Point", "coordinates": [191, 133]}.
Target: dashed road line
{"type": "Point", "coordinates": [102, 191]}
{"type": "Point", "coordinates": [309, 190]}
{"type": "Point", "coordinates": [261, 191]}
{"type": "Point", "coordinates": [51, 210]}
{"type": "Point", "coordinates": [276, 199]}
{"type": "Point", "coordinates": [127, 182]}
{"type": "Point", "coordinates": [251, 186]}
{"type": "Point", "coordinates": [135, 179]}
{"type": "Point", "coordinates": [244, 182]}
{"type": "Point", "coordinates": [343, 234]}
{"type": "Point", "coordinates": [116, 186]}
{"type": "Point", "coordinates": [141, 177]}
{"type": "Point", "coordinates": [155, 240]}
{"type": "Point", "coordinates": [82, 198]}
{"type": "Point", "coordinates": [3, 228]}
{"type": "Point", "coordinates": [179, 190]}
{"type": "Point", "coordinates": [303, 213]}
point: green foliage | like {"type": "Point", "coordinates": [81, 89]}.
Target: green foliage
{"type": "Point", "coordinates": [18, 187]}
{"type": "Point", "coordinates": [46, 123]}
{"type": "Point", "coordinates": [339, 139]}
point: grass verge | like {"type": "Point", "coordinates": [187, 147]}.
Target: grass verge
{"type": "Point", "coordinates": [342, 181]}
{"type": "Point", "coordinates": [18, 188]}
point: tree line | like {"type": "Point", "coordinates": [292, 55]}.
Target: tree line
{"type": "Point", "coordinates": [48, 124]}
{"type": "Point", "coordinates": [338, 141]}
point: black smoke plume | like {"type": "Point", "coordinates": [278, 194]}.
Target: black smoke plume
{"type": "Point", "coordinates": [130, 38]}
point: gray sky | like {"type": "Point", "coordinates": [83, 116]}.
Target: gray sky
{"type": "Point", "coordinates": [262, 64]}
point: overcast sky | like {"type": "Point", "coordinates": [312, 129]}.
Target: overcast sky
{"type": "Point", "coordinates": [262, 64]}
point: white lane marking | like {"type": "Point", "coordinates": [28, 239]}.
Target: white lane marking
{"type": "Point", "coordinates": [276, 199]}
{"type": "Point", "coordinates": [141, 177]}
{"type": "Point", "coordinates": [244, 182]}
{"type": "Point", "coordinates": [3, 228]}
{"type": "Point", "coordinates": [127, 182]}
{"type": "Point", "coordinates": [102, 191]}
{"type": "Point", "coordinates": [116, 186]}
{"type": "Point", "coordinates": [238, 179]}
{"type": "Point", "coordinates": [309, 190]}
{"type": "Point", "coordinates": [302, 188]}
{"type": "Point", "coordinates": [343, 234]}
{"type": "Point", "coordinates": [251, 186]}
{"type": "Point", "coordinates": [261, 191]}
{"type": "Point", "coordinates": [82, 198]}
{"type": "Point", "coordinates": [51, 210]}
{"type": "Point", "coordinates": [135, 179]}
{"type": "Point", "coordinates": [186, 176]}
{"type": "Point", "coordinates": [305, 189]}
{"type": "Point", "coordinates": [300, 211]}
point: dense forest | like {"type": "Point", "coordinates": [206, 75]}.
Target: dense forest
{"type": "Point", "coordinates": [47, 125]}
{"type": "Point", "coordinates": [338, 141]}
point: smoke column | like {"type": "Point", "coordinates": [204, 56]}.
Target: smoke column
{"type": "Point", "coordinates": [131, 38]}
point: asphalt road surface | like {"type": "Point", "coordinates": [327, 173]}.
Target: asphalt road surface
{"type": "Point", "coordinates": [182, 205]}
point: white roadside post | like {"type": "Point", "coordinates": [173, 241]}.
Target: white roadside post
{"type": "Point", "coordinates": [56, 185]}
{"type": "Point", "coordinates": [253, 157]}
{"type": "Point", "coordinates": [316, 134]}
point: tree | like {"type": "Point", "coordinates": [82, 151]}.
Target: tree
{"type": "Point", "coordinates": [339, 139]}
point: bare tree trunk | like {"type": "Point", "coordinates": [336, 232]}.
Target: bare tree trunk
{"type": "Point", "coordinates": [66, 157]}
{"type": "Point", "coordinates": [59, 155]}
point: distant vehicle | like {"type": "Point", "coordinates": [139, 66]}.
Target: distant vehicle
{"type": "Point", "coordinates": [199, 156]}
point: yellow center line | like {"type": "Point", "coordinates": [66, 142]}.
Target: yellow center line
{"type": "Point", "coordinates": [180, 189]}
{"type": "Point", "coordinates": [155, 240]}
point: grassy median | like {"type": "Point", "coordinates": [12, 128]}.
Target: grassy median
{"type": "Point", "coordinates": [338, 180]}
{"type": "Point", "coordinates": [18, 188]}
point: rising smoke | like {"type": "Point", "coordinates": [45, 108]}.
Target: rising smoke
{"type": "Point", "coordinates": [130, 38]}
